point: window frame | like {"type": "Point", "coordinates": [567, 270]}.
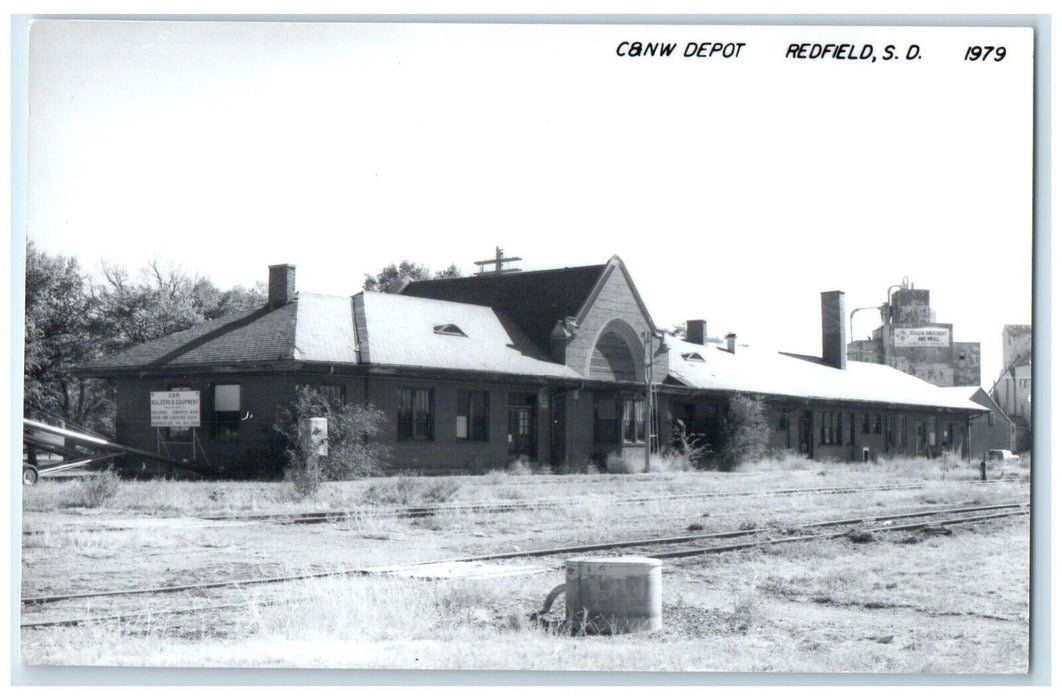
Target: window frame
{"type": "Point", "coordinates": [475, 430]}
{"type": "Point", "coordinates": [630, 423]}
{"type": "Point", "coordinates": [416, 430]}
{"type": "Point", "coordinates": [831, 428]}
{"type": "Point", "coordinates": [225, 425]}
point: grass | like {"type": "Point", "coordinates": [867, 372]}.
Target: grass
{"type": "Point", "coordinates": [882, 607]}
{"type": "Point", "coordinates": [939, 603]}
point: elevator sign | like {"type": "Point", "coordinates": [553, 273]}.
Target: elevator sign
{"type": "Point", "coordinates": [175, 409]}
{"type": "Point", "coordinates": [922, 337]}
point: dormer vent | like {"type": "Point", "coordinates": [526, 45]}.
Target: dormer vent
{"type": "Point", "coordinates": [449, 329]}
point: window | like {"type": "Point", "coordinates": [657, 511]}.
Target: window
{"type": "Point", "coordinates": [830, 429]}
{"type": "Point", "coordinates": [851, 428]}
{"type": "Point", "coordinates": [634, 420]}
{"type": "Point", "coordinates": [472, 412]}
{"type": "Point", "coordinates": [866, 423]}
{"type": "Point", "coordinates": [991, 419]}
{"type": "Point", "coordinates": [336, 394]}
{"type": "Point", "coordinates": [877, 424]}
{"type": "Point", "coordinates": [889, 436]}
{"type": "Point", "coordinates": [226, 410]}
{"type": "Point", "coordinates": [415, 414]}
{"type": "Point", "coordinates": [783, 421]}
{"type": "Point", "coordinates": [605, 422]}
{"type": "Point", "coordinates": [903, 431]}
{"type": "Point", "coordinates": [692, 357]}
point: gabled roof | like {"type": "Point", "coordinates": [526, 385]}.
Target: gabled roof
{"type": "Point", "coordinates": [771, 373]}
{"type": "Point", "coordinates": [400, 331]}
{"type": "Point", "coordinates": [534, 300]}
{"type": "Point", "coordinates": [977, 395]}
{"type": "Point", "coordinates": [313, 328]}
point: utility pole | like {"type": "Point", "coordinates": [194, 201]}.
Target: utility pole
{"type": "Point", "coordinates": [496, 261]}
{"type": "Point", "coordinates": [648, 338]}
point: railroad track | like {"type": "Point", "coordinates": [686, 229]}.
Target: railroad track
{"type": "Point", "coordinates": [425, 511]}
{"type": "Point", "coordinates": [671, 547]}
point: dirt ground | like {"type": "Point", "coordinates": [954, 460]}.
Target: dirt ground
{"type": "Point", "coordinates": [947, 603]}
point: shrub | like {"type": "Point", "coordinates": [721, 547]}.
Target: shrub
{"type": "Point", "coordinates": [96, 490]}
{"type": "Point", "coordinates": [745, 431]}
{"type": "Point", "coordinates": [691, 446]}
{"type": "Point", "coordinates": [351, 451]}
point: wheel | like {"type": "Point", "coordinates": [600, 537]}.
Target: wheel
{"type": "Point", "coordinates": [29, 475]}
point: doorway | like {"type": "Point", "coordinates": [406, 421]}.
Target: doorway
{"type": "Point", "coordinates": [805, 432]}
{"type": "Point", "coordinates": [522, 426]}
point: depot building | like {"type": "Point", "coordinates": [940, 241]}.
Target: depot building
{"type": "Point", "coordinates": [558, 367]}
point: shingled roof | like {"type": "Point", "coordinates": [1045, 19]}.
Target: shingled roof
{"type": "Point", "coordinates": [400, 331]}
{"type": "Point", "coordinates": [535, 300]}
{"type": "Point", "coordinates": [313, 328]}
{"type": "Point", "coordinates": [752, 370]}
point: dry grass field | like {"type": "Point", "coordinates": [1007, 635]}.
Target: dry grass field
{"type": "Point", "coordinates": [894, 602]}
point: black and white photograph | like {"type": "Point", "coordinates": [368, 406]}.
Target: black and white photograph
{"type": "Point", "coordinates": [469, 345]}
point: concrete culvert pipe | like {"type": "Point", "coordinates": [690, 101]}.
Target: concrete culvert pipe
{"type": "Point", "coordinates": [613, 595]}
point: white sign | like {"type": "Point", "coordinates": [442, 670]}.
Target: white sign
{"type": "Point", "coordinates": [922, 338]}
{"type": "Point", "coordinates": [175, 409]}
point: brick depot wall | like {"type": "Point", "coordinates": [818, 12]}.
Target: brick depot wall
{"type": "Point", "coordinates": [445, 452]}
{"type": "Point", "coordinates": [253, 450]}
{"type": "Point", "coordinates": [786, 436]}
{"type": "Point", "coordinates": [879, 443]}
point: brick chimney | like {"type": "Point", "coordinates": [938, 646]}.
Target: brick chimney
{"type": "Point", "coordinates": [834, 348]}
{"type": "Point", "coordinates": [281, 285]}
{"type": "Point", "coordinates": [696, 331]}
{"type": "Point", "coordinates": [731, 343]}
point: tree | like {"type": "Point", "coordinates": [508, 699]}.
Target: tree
{"type": "Point", "coordinates": [390, 277]}
{"type": "Point", "coordinates": [350, 432]}
{"type": "Point", "coordinates": [677, 331]}
{"type": "Point", "coordinates": [58, 335]}
{"type": "Point", "coordinates": [165, 300]}
{"type": "Point", "coordinates": [745, 431]}
{"type": "Point", "coordinates": [71, 320]}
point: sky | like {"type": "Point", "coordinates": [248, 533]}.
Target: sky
{"type": "Point", "coordinates": [735, 190]}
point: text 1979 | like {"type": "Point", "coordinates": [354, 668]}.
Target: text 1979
{"type": "Point", "coordinates": [983, 53]}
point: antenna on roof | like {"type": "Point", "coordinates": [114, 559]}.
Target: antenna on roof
{"type": "Point", "coordinates": [496, 261]}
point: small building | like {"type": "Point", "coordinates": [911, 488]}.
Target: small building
{"type": "Point", "coordinates": [556, 366]}
{"type": "Point", "coordinates": [988, 431]}
{"type": "Point", "coordinates": [911, 340]}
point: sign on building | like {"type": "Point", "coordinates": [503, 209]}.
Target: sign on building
{"type": "Point", "coordinates": [175, 409]}
{"type": "Point", "coordinates": [921, 337]}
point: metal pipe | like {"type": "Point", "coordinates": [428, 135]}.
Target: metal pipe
{"type": "Point", "coordinates": [851, 320]}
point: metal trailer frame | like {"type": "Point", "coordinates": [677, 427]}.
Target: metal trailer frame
{"type": "Point", "coordinates": [76, 449]}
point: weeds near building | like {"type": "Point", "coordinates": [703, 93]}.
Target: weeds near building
{"type": "Point", "coordinates": [96, 490]}
{"type": "Point", "coordinates": [690, 448]}
{"type": "Point", "coordinates": [351, 452]}
{"type": "Point", "coordinates": [745, 431]}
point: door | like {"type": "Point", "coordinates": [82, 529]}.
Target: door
{"type": "Point", "coordinates": [557, 444]}
{"type": "Point", "coordinates": [806, 443]}
{"type": "Point", "coordinates": [522, 415]}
